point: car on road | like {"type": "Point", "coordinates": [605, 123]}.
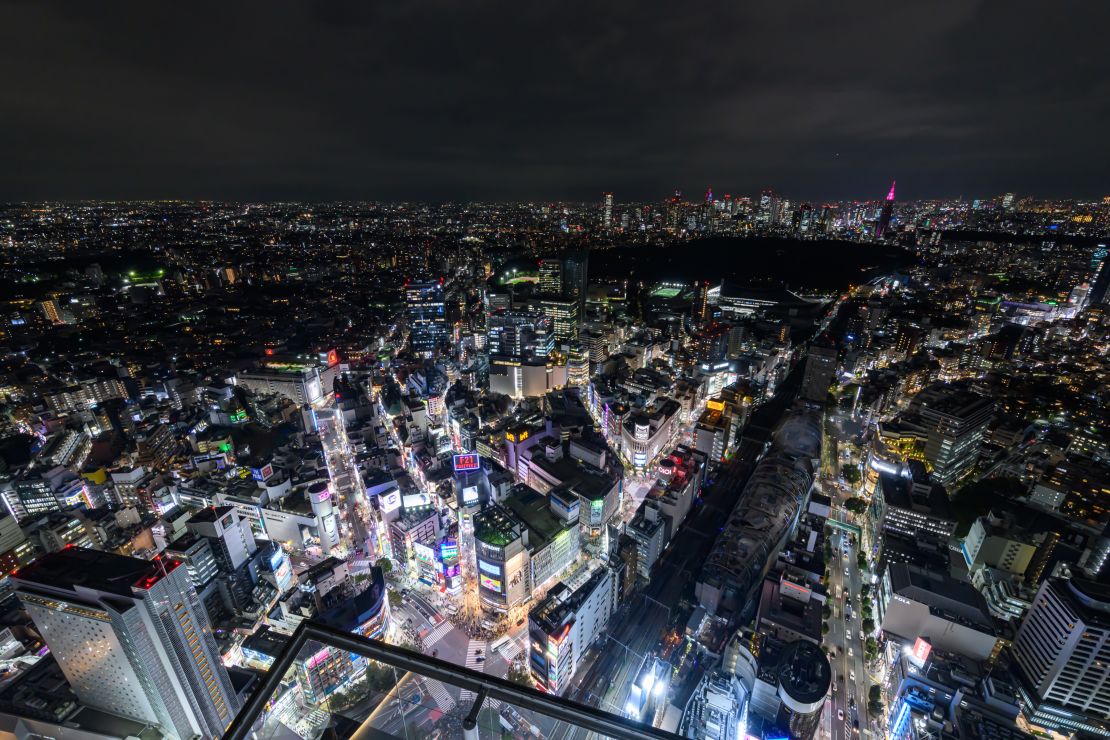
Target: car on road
{"type": "Point", "coordinates": [846, 573]}
{"type": "Point", "coordinates": [849, 652]}
{"type": "Point", "coordinates": [840, 714]}
{"type": "Point", "coordinates": [481, 659]}
{"type": "Point", "coordinates": [851, 675]}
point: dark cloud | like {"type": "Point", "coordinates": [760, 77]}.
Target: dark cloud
{"type": "Point", "coordinates": [437, 99]}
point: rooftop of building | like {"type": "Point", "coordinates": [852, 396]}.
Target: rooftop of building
{"type": "Point", "coordinates": [351, 613]}
{"type": "Point", "coordinates": [955, 600]}
{"type": "Point", "coordinates": [495, 526]}
{"type": "Point", "coordinates": [210, 514]}
{"type": "Point", "coordinates": [925, 497]}
{"type": "Point", "coordinates": [533, 510]}
{"type": "Point", "coordinates": [73, 567]}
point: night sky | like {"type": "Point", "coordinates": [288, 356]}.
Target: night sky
{"type": "Point", "coordinates": [552, 100]}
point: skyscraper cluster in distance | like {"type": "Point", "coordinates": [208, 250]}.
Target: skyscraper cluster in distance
{"type": "Point", "coordinates": [721, 467]}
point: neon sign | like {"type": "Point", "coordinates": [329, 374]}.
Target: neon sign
{"type": "Point", "coordinates": [467, 462]}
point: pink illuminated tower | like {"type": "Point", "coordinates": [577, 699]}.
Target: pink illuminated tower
{"type": "Point", "coordinates": [885, 214]}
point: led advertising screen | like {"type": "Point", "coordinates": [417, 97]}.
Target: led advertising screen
{"type": "Point", "coordinates": [416, 499]}
{"type": "Point", "coordinates": [491, 583]}
{"type": "Point", "coordinates": [467, 462]}
{"type": "Point", "coordinates": [493, 570]}
{"type": "Point", "coordinates": [390, 501]}
{"type": "Point", "coordinates": [470, 495]}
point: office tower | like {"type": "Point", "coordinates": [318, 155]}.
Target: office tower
{"type": "Point", "coordinates": [551, 276]}
{"type": "Point", "coordinates": [563, 283]}
{"type": "Point", "coordinates": [1100, 283]}
{"type": "Point", "coordinates": [564, 314]}
{"type": "Point", "coordinates": [884, 215]}
{"type": "Point", "coordinates": [1062, 649]}
{"type": "Point", "coordinates": [597, 348]}
{"type": "Point", "coordinates": [576, 279]}
{"type": "Point", "coordinates": [131, 637]}
{"type": "Point", "coordinates": [520, 344]}
{"type": "Point", "coordinates": [699, 308]}
{"type": "Point", "coordinates": [820, 367]}
{"type": "Point", "coordinates": [768, 208]}
{"type": "Point", "coordinates": [607, 211]}
{"type": "Point", "coordinates": [520, 335]}
{"type": "Point", "coordinates": [427, 315]}
{"type": "Point", "coordinates": [956, 420]}
{"type": "Point", "coordinates": [1008, 201]}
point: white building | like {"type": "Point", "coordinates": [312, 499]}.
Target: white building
{"type": "Point", "coordinates": [131, 637]}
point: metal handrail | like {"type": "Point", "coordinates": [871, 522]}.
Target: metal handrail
{"type": "Point", "coordinates": [492, 687]}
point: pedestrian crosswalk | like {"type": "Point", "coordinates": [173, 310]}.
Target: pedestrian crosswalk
{"type": "Point", "coordinates": [511, 649]}
{"type": "Point", "coordinates": [438, 633]}
{"type": "Point", "coordinates": [441, 695]}
{"type": "Point", "coordinates": [475, 649]}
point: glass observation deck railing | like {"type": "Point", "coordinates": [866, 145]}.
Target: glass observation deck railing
{"type": "Point", "coordinates": [327, 683]}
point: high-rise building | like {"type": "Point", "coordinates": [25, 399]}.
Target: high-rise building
{"type": "Point", "coordinates": [520, 344]}
{"type": "Point", "coordinates": [131, 637]}
{"type": "Point", "coordinates": [956, 420]}
{"type": "Point", "coordinates": [820, 366]}
{"type": "Point", "coordinates": [1062, 650]}
{"type": "Point", "coordinates": [229, 534]}
{"type": "Point", "coordinates": [884, 215]}
{"type": "Point", "coordinates": [607, 212]}
{"type": "Point", "coordinates": [576, 279]}
{"type": "Point", "coordinates": [551, 276]}
{"type": "Point", "coordinates": [1100, 282]}
{"type": "Point", "coordinates": [564, 314]}
{"type": "Point", "coordinates": [427, 315]}
{"type": "Point", "coordinates": [699, 309]}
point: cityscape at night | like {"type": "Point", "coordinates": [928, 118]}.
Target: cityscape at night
{"type": "Point", "coordinates": [373, 375]}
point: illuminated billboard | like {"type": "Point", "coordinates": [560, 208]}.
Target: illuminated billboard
{"type": "Point", "coordinates": [390, 501]}
{"type": "Point", "coordinates": [467, 462]}
{"type": "Point", "coordinates": [491, 583]}
{"type": "Point", "coordinates": [470, 495]}
{"type": "Point", "coordinates": [263, 473]}
{"type": "Point", "coordinates": [921, 650]}
{"type": "Point", "coordinates": [416, 499]}
{"type": "Point", "coordinates": [493, 570]}
{"type": "Point", "coordinates": [423, 552]}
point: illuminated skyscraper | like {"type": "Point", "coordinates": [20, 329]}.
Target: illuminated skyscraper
{"type": "Point", "coordinates": [427, 315]}
{"type": "Point", "coordinates": [551, 276]}
{"type": "Point", "coordinates": [884, 216]}
{"type": "Point", "coordinates": [131, 637]}
{"type": "Point", "coordinates": [566, 278]}
{"type": "Point", "coordinates": [607, 212]}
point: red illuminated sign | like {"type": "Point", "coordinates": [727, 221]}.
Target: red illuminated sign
{"type": "Point", "coordinates": [333, 357]}
{"type": "Point", "coordinates": [921, 650]}
{"type": "Point", "coordinates": [467, 462]}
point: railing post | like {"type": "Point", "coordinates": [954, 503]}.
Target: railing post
{"type": "Point", "coordinates": [470, 724]}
